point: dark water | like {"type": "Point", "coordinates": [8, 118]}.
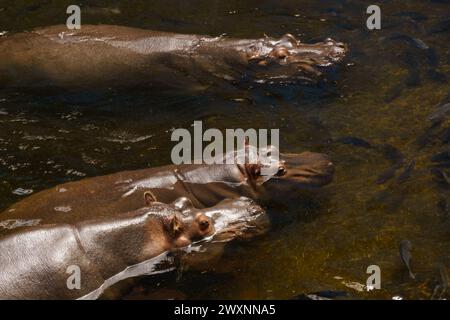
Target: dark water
{"type": "Point", "coordinates": [383, 93]}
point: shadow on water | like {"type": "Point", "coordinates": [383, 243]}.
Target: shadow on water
{"type": "Point", "coordinates": [383, 95]}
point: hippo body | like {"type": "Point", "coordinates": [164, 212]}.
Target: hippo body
{"type": "Point", "coordinates": [104, 56]}
{"type": "Point", "coordinates": [205, 185]}
{"type": "Point", "coordinates": [36, 261]}
{"type": "Point", "coordinates": [123, 192]}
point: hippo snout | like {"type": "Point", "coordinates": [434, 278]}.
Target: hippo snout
{"type": "Point", "coordinates": [289, 58]}
{"type": "Point", "coordinates": [335, 50]}
{"type": "Point", "coordinates": [310, 168]}
{"type": "Point", "coordinates": [303, 170]}
{"type": "Point", "coordinates": [240, 217]}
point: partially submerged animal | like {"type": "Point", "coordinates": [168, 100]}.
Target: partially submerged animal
{"type": "Point", "coordinates": [204, 184]}
{"type": "Point", "coordinates": [103, 56]}
{"type": "Point", "coordinates": [44, 262]}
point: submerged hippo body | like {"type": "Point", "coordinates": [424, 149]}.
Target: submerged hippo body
{"type": "Point", "coordinates": [205, 185]}
{"type": "Point", "coordinates": [37, 262]}
{"type": "Point", "coordinates": [117, 56]}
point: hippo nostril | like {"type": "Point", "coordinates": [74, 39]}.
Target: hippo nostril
{"type": "Point", "coordinates": [204, 224]}
{"type": "Point", "coordinates": [279, 53]}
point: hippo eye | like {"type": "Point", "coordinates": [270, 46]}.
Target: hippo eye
{"type": "Point", "coordinates": [204, 224]}
{"type": "Point", "coordinates": [281, 171]}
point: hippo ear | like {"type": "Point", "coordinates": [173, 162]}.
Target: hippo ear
{"type": "Point", "coordinates": [175, 225]}
{"type": "Point", "coordinates": [253, 169]}
{"type": "Point", "coordinates": [290, 38]}
{"type": "Point", "coordinates": [149, 197]}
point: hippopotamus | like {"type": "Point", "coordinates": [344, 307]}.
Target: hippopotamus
{"type": "Point", "coordinates": [204, 184]}
{"type": "Point", "coordinates": [38, 262]}
{"type": "Point", "coordinates": [106, 56]}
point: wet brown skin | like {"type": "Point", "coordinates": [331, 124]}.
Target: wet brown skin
{"type": "Point", "coordinates": [205, 185]}
{"type": "Point", "coordinates": [106, 56]}
{"type": "Point", "coordinates": [34, 260]}
{"type": "Point", "coordinates": [238, 219]}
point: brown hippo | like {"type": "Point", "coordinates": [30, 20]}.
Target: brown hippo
{"type": "Point", "coordinates": [38, 262]}
{"type": "Point", "coordinates": [205, 185]}
{"type": "Point", "coordinates": [116, 56]}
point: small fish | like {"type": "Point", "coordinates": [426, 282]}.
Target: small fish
{"type": "Point", "coordinates": [354, 141]}
{"type": "Point", "coordinates": [442, 279]}
{"type": "Point", "coordinates": [441, 176]}
{"type": "Point", "coordinates": [416, 42]}
{"type": "Point", "coordinates": [440, 114]}
{"type": "Point", "coordinates": [420, 44]}
{"type": "Point", "coordinates": [406, 174]}
{"type": "Point", "coordinates": [354, 285]}
{"type": "Point", "coordinates": [387, 175]}
{"type": "Point", "coordinates": [392, 154]}
{"type": "Point", "coordinates": [321, 295]}
{"type": "Point", "coordinates": [405, 255]}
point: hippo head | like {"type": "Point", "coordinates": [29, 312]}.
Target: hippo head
{"type": "Point", "coordinates": [288, 171]}
{"type": "Point", "coordinates": [182, 223]}
{"type": "Point", "coordinates": [288, 58]}
{"type": "Point", "coordinates": [229, 219]}
{"type": "Point", "coordinates": [232, 219]}
{"type": "Point", "coordinates": [237, 218]}
{"type": "Point", "coordinates": [304, 170]}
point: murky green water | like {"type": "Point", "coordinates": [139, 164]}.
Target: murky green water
{"type": "Point", "coordinates": [383, 94]}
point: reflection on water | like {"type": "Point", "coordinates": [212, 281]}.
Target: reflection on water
{"type": "Point", "coordinates": [372, 117]}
